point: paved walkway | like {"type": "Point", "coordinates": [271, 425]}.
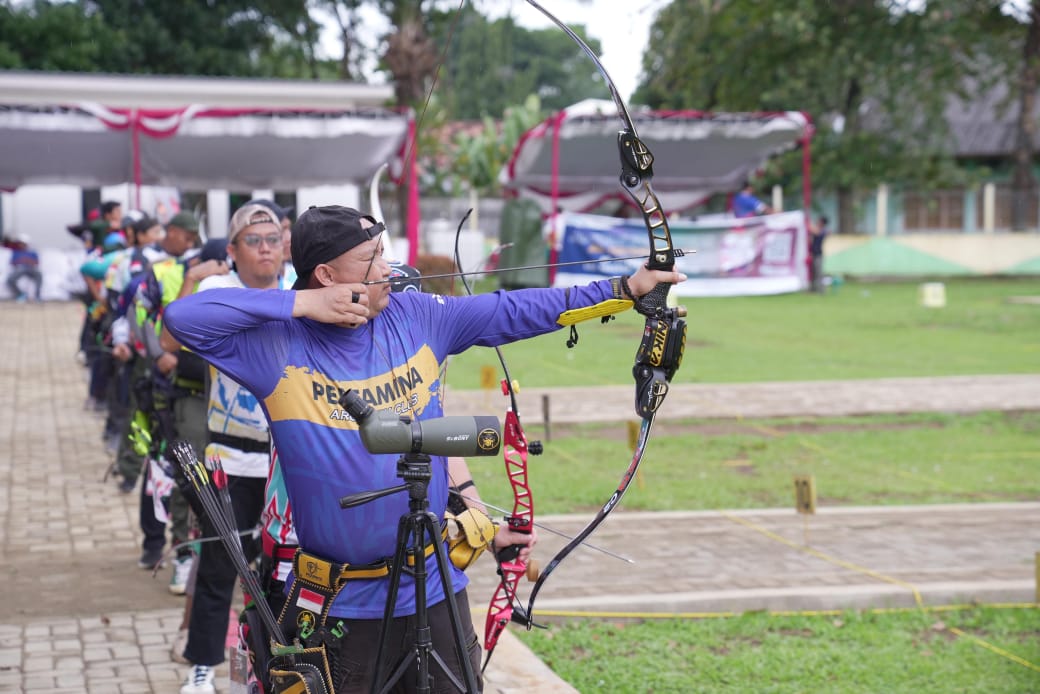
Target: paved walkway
{"type": "Point", "coordinates": [750, 400]}
{"type": "Point", "coordinates": [78, 616]}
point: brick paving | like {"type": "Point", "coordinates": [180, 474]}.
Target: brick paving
{"type": "Point", "coordinates": [66, 532]}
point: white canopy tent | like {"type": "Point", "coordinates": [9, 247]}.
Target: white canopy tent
{"type": "Point", "coordinates": [195, 147]}
{"type": "Point", "coordinates": [196, 133]}
{"type": "Point", "coordinates": [569, 161]}
{"type": "Point", "coordinates": [192, 133]}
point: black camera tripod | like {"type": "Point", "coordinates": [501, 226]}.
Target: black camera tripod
{"type": "Point", "coordinates": [417, 526]}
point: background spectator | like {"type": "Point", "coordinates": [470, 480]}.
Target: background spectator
{"type": "Point", "coordinates": [25, 262]}
{"type": "Point", "coordinates": [745, 204]}
{"type": "Point", "coordinates": [817, 233]}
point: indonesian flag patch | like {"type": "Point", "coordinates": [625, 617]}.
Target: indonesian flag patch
{"type": "Point", "coordinates": [309, 600]}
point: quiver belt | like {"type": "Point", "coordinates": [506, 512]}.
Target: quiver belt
{"type": "Point", "coordinates": [312, 667]}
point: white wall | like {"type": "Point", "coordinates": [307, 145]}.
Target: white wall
{"type": "Point", "coordinates": [347, 195]}
{"type": "Point", "coordinates": [161, 202]}
{"type": "Point", "coordinates": [218, 213]}
{"type": "Point", "coordinates": [42, 213]}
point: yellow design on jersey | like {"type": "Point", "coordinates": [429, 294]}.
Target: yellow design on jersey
{"type": "Point", "coordinates": [305, 394]}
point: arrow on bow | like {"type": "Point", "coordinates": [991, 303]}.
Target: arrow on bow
{"type": "Point", "coordinates": [679, 253]}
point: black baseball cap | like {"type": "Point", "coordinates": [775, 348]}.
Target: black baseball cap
{"type": "Point", "coordinates": [322, 234]}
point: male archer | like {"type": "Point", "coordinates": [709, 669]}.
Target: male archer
{"type": "Point", "coordinates": [342, 329]}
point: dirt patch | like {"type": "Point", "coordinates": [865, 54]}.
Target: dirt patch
{"type": "Point", "coordinates": [937, 631]}
{"type": "Point", "coordinates": [1025, 419]}
{"type": "Point", "coordinates": [741, 467]}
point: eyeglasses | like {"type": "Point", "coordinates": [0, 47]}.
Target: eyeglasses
{"type": "Point", "coordinates": [254, 240]}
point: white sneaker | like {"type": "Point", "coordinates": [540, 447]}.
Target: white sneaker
{"type": "Point", "coordinates": [180, 641]}
{"type": "Point", "coordinates": [181, 572]}
{"type": "Point", "coordinates": [199, 681]}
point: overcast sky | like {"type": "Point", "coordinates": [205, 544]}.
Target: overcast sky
{"type": "Point", "coordinates": [621, 27]}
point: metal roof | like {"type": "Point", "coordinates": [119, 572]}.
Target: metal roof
{"type": "Point", "coordinates": [163, 91]}
{"type": "Point", "coordinates": [985, 125]}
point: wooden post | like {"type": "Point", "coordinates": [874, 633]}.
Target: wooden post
{"type": "Point", "coordinates": [545, 416]}
{"type": "Point", "coordinates": [882, 210]}
{"type": "Point", "coordinates": [989, 207]}
{"type": "Point", "coordinates": [805, 501]}
{"type": "Point", "coordinates": [488, 382]}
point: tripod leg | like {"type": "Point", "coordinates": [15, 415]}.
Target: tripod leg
{"type": "Point", "coordinates": [404, 527]}
{"type": "Point", "coordinates": [423, 640]}
{"type": "Point", "coordinates": [443, 569]}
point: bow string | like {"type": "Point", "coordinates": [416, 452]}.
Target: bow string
{"type": "Point", "coordinates": [504, 606]}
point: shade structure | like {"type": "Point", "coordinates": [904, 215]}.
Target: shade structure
{"type": "Point", "coordinates": [198, 133]}
{"type": "Point", "coordinates": [195, 147]}
{"type": "Point", "coordinates": [569, 161]}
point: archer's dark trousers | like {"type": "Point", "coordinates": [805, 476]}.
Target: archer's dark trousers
{"type": "Point", "coordinates": [355, 656]}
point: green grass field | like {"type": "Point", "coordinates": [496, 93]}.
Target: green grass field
{"type": "Point", "coordinates": [863, 330]}
{"type": "Point", "coordinates": [905, 459]}
{"type": "Point", "coordinates": [858, 461]}
{"type": "Point", "coordinates": [974, 650]}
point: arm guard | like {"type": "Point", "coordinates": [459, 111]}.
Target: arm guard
{"type": "Point", "coordinates": [472, 534]}
{"type": "Point", "coordinates": [604, 308]}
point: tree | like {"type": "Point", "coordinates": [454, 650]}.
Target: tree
{"type": "Point", "coordinates": [482, 68]}
{"type": "Point", "coordinates": [493, 64]}
{"type": "Point", "coordinates": [478, 158]}
{"type": "Point", "coordinates": [347, 16]}
{"type": "Point", "coordinates": [875, 75]}
{"type": "Point", "coordinates": [219, 38]}
{"type": "Point", "coordinates": [411, 56]}
{"type": "Point", "coordinates": [1023, 181]}
{"type": "Point", "coordinates": [231, 37]}
{"type": "Point", "coordinates": [56, 37]}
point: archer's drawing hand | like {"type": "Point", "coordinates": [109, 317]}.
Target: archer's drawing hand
{"type": "Point", "coordinates": [345, 305]}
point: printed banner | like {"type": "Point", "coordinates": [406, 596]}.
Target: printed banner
{"type": "Point", "coordinates": [724, 256]}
